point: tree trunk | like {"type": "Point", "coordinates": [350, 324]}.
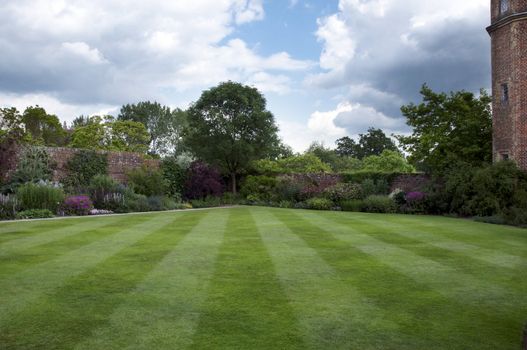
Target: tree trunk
{"type": "Point", "coordinates": [233, 180]}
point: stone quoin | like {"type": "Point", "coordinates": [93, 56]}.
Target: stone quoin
{"type": "Point", "coordinates": [508, 31]}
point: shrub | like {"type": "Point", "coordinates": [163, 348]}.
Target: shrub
{"type": "Point", "coordinates": [84, 166]}
{"type": "Point", "coordinates": [319, 204]}
{"type": "Point", "coordinates": [100, 212]}
{"type": "Point", "coordinates": [34, 164]}
{"type": "Point", "coordinates": [34, 214]}
{"type": "Point", "coordinates": [115, 202]}
{"type": "Point", "coordinates": [160, 203]}
{"type": "Point", "coordinates": [147, 181]}
{"type": "Point", "coordinates": [207, 202]}
{"type": "Point", "coordinates": [379, 204]}
{"type": "Point", "coordinates": [174, 175]}
{"type": "Point", "coordinates": [343, 191]}
{"type": "Point", "coordinates": [288, 188]}
{"type": "Point", "coordinates": [375, 187]}
{"type": "Point", "coordinates": [314, 185]}
{"type": "Point", "coordinates": [285, 204]}
{"type": "Point", "coordinates": [100, 186]}
{"type": "Point", "coordinates": [42, 195]}
{"type": "Point", "coordinates": [495, 220]}
{"type": "Point", "coordinates": [203, 181]}
{"type": "Point", "coordinates": [9, 206]}
{"type": "Point", "coordinates": [77, 205]}
{"type": "Point", "coordinates": [262, 187]}
{"type": "Point", "coordinates": [354, 205]}
{"type": "Point", "coordinates": [138, 203]}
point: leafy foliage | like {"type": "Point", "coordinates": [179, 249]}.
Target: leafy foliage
{"type": "Point", "coordinates": [262, 187]}
{"type": "Point", "coordinates": [203, 181]}
{"type": "Point", "coordinates": [448, 129]}
{"type": "Point", "coordinates": [164, 125]}
{"type": "Point", "coordinates": [34, 214]}
{"type": "Point", "coordinates": [100, 189]}
{"type": "Point", "coordinates": [319, 204]}
{"type": "Point", "coordinates": [125, 136]}
{"type": "Point", "coordinates": [174, 176]}
{"type": "Point", "coordinates": [387, 162]}
{"type": "Point", "coordinates": [83, 166]}
{"type": "Point", "coordinates": [9, 205]}
{"type": "Point", "coordinates": [34, 164]}
{"type": "Point", "coordinates": [229, 126]}
{"type": "Point", "coordinates": [42, 128]}
{"type": "Point", "coordinates": [77, 205]}
{"type": "Point", "coordinates": [373, 143]}
{"type": "Point", "coordinates": [379, 204]}
{"type": "Point", "coordinates": [40, 196]}
{"type": "Point", "coordinates": [147, 181]}
{"type": "Point", "coordinates": [300, 164]}
{"type": "Point", "coordinates": [343, 192]}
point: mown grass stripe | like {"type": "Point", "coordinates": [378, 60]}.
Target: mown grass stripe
{"type": "Point", "coordinates": [164, 309]}
{"type": "Point", "coordinates": [21, 289]}
{"type": "Point", "coordinates": [444, 279]}
{"type": "Point", "coordinates": [495, 248]}
{"type": "Point", "coordinates": [25, 259]}
{"type": "Point", "coordinates": [17, 246]}
{"type": "Point", "coordinates": [246, 307]}
{"type": "Point", "coordinates": [18, 230]}
{"type": "Point", "coordinates": [331, 314]}
{"type": "Point", "coordinates": [426, 318]}
{"type": "Point", "coordinates": [84, 302]}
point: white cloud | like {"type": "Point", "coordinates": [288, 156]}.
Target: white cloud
{"type": "Point", "coordinates": [113, 51]}
{"type": "Point", "coordinates": [84, 51]}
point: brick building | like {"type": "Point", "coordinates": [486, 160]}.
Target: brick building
{"type": "Point", "coordinates": [508, 31]}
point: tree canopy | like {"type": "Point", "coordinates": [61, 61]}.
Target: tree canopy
{"type": "Point", "coordinates": [448, 129]}
{"type": "Point", "coordinates": [111, 135]}
{"type": "Point", "coordinates": [373, 143]}
{"type": "Point", "coordinates": [164, 125]}
{"type": "Point", "coordinates": [229, 126]}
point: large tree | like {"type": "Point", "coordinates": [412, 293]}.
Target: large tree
{"type": "Point", "coordinates": [448, 129]}
{"type": "Point", "coordinates": [42, 128]}
{"type": "Point", "coordinates": [373, 143]}
{"type": "Point", "coordinates": [229, 126]}
{"type": "Point", "coordinates": [164, 125]}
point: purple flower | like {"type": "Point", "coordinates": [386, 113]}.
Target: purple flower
{"type": "Point", "coordinates": [415, 197]}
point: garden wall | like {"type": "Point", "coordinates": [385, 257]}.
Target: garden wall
{"type": "Point", "coordinates": [119, 163]}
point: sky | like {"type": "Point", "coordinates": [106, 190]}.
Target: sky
{"type": "Point", "coordinates": [328, 68]}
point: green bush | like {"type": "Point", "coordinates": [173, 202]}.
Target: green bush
{"type": "Point", "coordinates": [147, 181]}
{"type": "Point", "coordinates": [289, 188]}
{"type": "Point", "coordinates": [354, 205]}
{"type": "Point", "coordinates": [379, 204]}
{"type": "Point", "coordinates": [263, 187]}
{"type": "Point", "coordinates": [375, 187]}
{"type": "Point", "coordinates": [319, 204]}
{"type": "Point", "coordinates": [83, 167]}
{"type": "Point", "coordinates": [9, 206]}
{"type": "Point", "coordinates": [360, 176]}
{"type": "Point", "coordinates": [174, 175]}
{"type": "Point", "coordinates": [495, 220]}
{"type": "Point", "coordinates": [208, 202]}
{"type": "Point", "coordinates": [100, 186]}
{"type": "Point", "coordinates": [40, 196]}
{"type": "Point", "coordinates": [343, 191]}
{"type": "Point", "coordinates": [34, 214]}
{"type": "Point", "coordinates": [34, 164]}
{"type": "Point", "coordinates": [161, 203]}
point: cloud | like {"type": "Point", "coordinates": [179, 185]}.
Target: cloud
{"type": "Point", "coordinates": [110, 52]}
{"type": "Point", "coordinates": [384, 50]}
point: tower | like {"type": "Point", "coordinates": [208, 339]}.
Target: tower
{"type": "Point", "coordinates": [508, 31]}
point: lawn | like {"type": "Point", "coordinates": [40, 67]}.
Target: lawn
{"type": "Point", "coordinates": [262, 278]}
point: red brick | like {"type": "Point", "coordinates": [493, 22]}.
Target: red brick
{"type": "Point", "coordinates": [509, 66]}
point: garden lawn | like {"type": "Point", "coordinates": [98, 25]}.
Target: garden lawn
{"type": "Point", "coordinates": [261, 278]}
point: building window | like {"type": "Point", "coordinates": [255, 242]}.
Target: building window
{"type": "Point", "coordinates": [504, 93]}
{"type": "Point", "coordinates": [505, 156]}
{"type": "Point", "coordinates": [504, 6]}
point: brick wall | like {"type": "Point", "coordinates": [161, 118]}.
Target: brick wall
{"type": "Point", "coordinates": [509, 66]}
{"type": "Point", "coordinates": [119, 163]}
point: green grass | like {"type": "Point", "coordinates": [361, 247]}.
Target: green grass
{"type": "Point", "coordinates": [261, 278]}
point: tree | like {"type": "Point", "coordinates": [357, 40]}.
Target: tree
{"type": "Point", "coordinates": [229, 126]}
{"type": "Point", "coordinates": [164, 125]}
{"type": "Point", "coordinates": [373, 143]}
{"type": "Point", "coordinates": [447, 129]}
{"type": "Point", "coordinates": [42, 128]}
{"type": "Point", "coordinates": [11, 126]}
{"type": "Point", "coordinates": [387, 162]}
{"type": "Point", "coordinates": [111, 135]}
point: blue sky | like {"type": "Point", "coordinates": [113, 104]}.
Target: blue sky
{"type": "Point", "coordinates": [328, 68]}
